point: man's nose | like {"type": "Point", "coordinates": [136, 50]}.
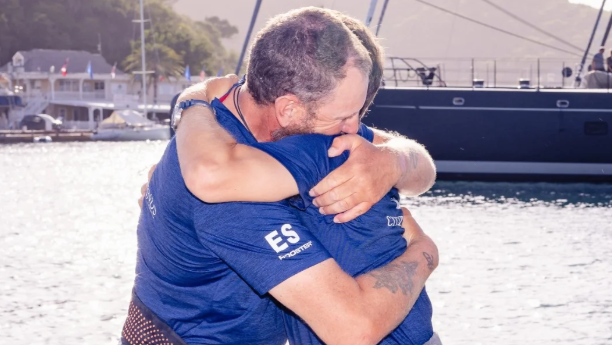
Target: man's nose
{"type": "Point", "coordinates": [351, 126]}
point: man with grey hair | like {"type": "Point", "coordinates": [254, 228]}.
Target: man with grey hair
{"type": "Point", "coordinates": [208, 270]}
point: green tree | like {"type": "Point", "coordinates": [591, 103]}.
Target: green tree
{"type": "Point", "coordinates": [161, 60]}
{"type": "Point", "coordinates": [226, 29]}
{"type": "Point", "coordinates": [80, 24]}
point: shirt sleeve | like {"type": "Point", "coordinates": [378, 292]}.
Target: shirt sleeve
{"type": "Point", "coordinates": [264, 243]}
{"type": "Point", "coordinates": [305, 156]}
{"type": "Point", "coordinates": [366, 132]}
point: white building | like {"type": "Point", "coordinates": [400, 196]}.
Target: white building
{"type": "Point", "coordinates": [79, 99]}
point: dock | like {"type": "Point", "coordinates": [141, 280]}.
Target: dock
{"type": "Point", "coordinates": [20, 136]}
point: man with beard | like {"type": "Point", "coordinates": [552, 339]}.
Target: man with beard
{"type": "Point", "coordinates": [210, 282]}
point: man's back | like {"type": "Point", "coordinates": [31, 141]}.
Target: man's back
{"type": "Point", "coordinates": [359, 246]}
{"type": "Point", "coordinates": [183, 282]}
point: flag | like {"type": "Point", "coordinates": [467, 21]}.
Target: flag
{"type": "Point", "coordinates": [65, 68]}
{"type": "Point", "coordinates": [202, 74]}
{"type": "Point", "coordinates": [113, 71]}
{"type": "Point", "coordinates": [89, 70]}
{"type": "Point", "coordinates": [220, 73]}
{"type": "Point", "coordinates": [187, 73]}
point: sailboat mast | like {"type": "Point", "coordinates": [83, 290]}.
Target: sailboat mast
{"type": "Point", "coordinates": [586, 52]}
{"type": "Point", "coordinates": [144, 68]}
{"type": "Point", "coordinates": [371, 12]}
{"type": "Point", "coordinates": [248, 36]}
{"type": "Point", "coordinates": [382, 14]}
{"type": "Point", "coordinates": [605, 38]}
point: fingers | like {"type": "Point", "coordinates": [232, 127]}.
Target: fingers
{"type": "Point", "coordinates": [352, 213]}
{"type": "Point", "coordinates": [343, 143]}
{"type": "Point", "coordinates": [151, 170]}
{"type": "Point", "coordinates": [406, 212]}
{"type": "Point", "coordinates": [412, 230]}
{"type": "Point", "coordinates": [336, 194]}
{"type": "Point", "coordinates": [143, 191]}
{"type": "Point", "coordinates": [325, 185]}
{"type": "Point", "coordinates": [233, 78]}
{"type": "Point", "coordinates": [217, 87]}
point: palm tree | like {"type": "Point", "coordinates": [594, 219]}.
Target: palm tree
{"type": "Point", "coordinates": [161, 60]}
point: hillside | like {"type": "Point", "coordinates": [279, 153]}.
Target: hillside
{"type": "Point", "coordinates": [413, 29]}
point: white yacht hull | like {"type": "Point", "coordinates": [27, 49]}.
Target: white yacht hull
{"type": "Point", "coordinates": [132, 134]}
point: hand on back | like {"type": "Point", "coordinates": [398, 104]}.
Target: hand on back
{"type": "Point", "coordinates": [352, 189]}
{"type": "Point", "coordinates": [143, 189]}
{"type": "Point", "coordinates": [209, 89]}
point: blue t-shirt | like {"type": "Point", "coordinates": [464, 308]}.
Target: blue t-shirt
{"type": "Point", "coordinates": [364, 244]}
{"type": "Point", "coordinates": [205, 269]}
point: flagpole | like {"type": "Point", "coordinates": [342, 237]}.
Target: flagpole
{"type": "Point", "coordinates": [142, 47]}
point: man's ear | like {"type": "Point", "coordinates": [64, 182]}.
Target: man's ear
{"type": "Point", "coordinates": [288, 110]}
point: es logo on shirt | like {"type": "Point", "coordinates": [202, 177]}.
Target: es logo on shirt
{"type": "Point", "coordinates": [277, 242]}
{"type": "Point", "coordinates": [148, 198]}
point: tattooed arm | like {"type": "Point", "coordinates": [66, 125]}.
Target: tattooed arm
{"type": "Point", "coordinates": [363, 310]}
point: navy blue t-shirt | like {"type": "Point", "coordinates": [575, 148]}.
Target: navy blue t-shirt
{"type": "Point", "coordinates": [364, 244]}
{"type": "Point", "coordinates": [205, 269]}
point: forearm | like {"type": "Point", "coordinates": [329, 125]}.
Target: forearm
{"type": "Point", "coordinates": [204, 150]}
{"type": "Point", "coordinates": [363, 310]}
{"type": "Point", "coordinates": [391, 291]}
{"type": "Point", "coordinates": [217, 169]}
{"type": "Point", "coordinates": [417, 169]}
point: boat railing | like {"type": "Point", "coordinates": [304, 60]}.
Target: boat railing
{"type": "Point", "coordinates": [525, 73]}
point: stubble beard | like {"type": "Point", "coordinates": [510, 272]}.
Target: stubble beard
{"type": "Point", "coordinates": [305, 127]}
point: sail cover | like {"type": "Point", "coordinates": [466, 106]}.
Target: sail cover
{"type": "Point", "coordinates": [121, 118]}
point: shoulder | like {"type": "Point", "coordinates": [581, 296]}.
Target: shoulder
{"type": "Point", "coordinates": [366, 132]}
{"type": "Point", "coordinates": [303, 140]}
{"type": "Point", "coordinates": [306, 148]}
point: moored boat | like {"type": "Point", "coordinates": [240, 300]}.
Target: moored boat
{"type": "Point", "coordinates": [128, 125]}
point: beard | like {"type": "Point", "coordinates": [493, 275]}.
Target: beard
{"type": "Point", "coordinates": [306, 127]}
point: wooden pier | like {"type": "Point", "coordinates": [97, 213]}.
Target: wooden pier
{"type": "Point", "coordinates": [20, 136]}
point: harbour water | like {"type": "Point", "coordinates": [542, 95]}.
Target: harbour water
{"type": "Point", "coordinates": [520, 263]}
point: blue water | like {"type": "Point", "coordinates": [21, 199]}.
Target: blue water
{"type": "Point", "coordinates": [519, 263]}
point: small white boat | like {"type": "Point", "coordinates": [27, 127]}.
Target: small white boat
{"type": "Point", "coordinates": [43, 139]}
{"type": "Point", "coordinates": [127, 125]}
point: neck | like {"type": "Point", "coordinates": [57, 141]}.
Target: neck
{"type": "Point", "coordinates": [261, 120]}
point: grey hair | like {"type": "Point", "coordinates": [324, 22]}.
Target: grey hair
{"type": "Point", "coordinates": [304, 52]}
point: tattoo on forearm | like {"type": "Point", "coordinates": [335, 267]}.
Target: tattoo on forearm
{"type": "Point", "coordinates": [395, 276]}
{"type": "Point", "coordinates": [430, 261]}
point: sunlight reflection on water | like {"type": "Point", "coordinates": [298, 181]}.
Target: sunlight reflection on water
{"type": "Point", "coordinates": [519, 262]}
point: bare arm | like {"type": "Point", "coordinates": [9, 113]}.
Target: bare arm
{"type": "Point", "coordinates": [217, 169]}
{"type": "Point", "coordinates": [418, 171]}
{"type": "Point", "coordinates": [363, 310]}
